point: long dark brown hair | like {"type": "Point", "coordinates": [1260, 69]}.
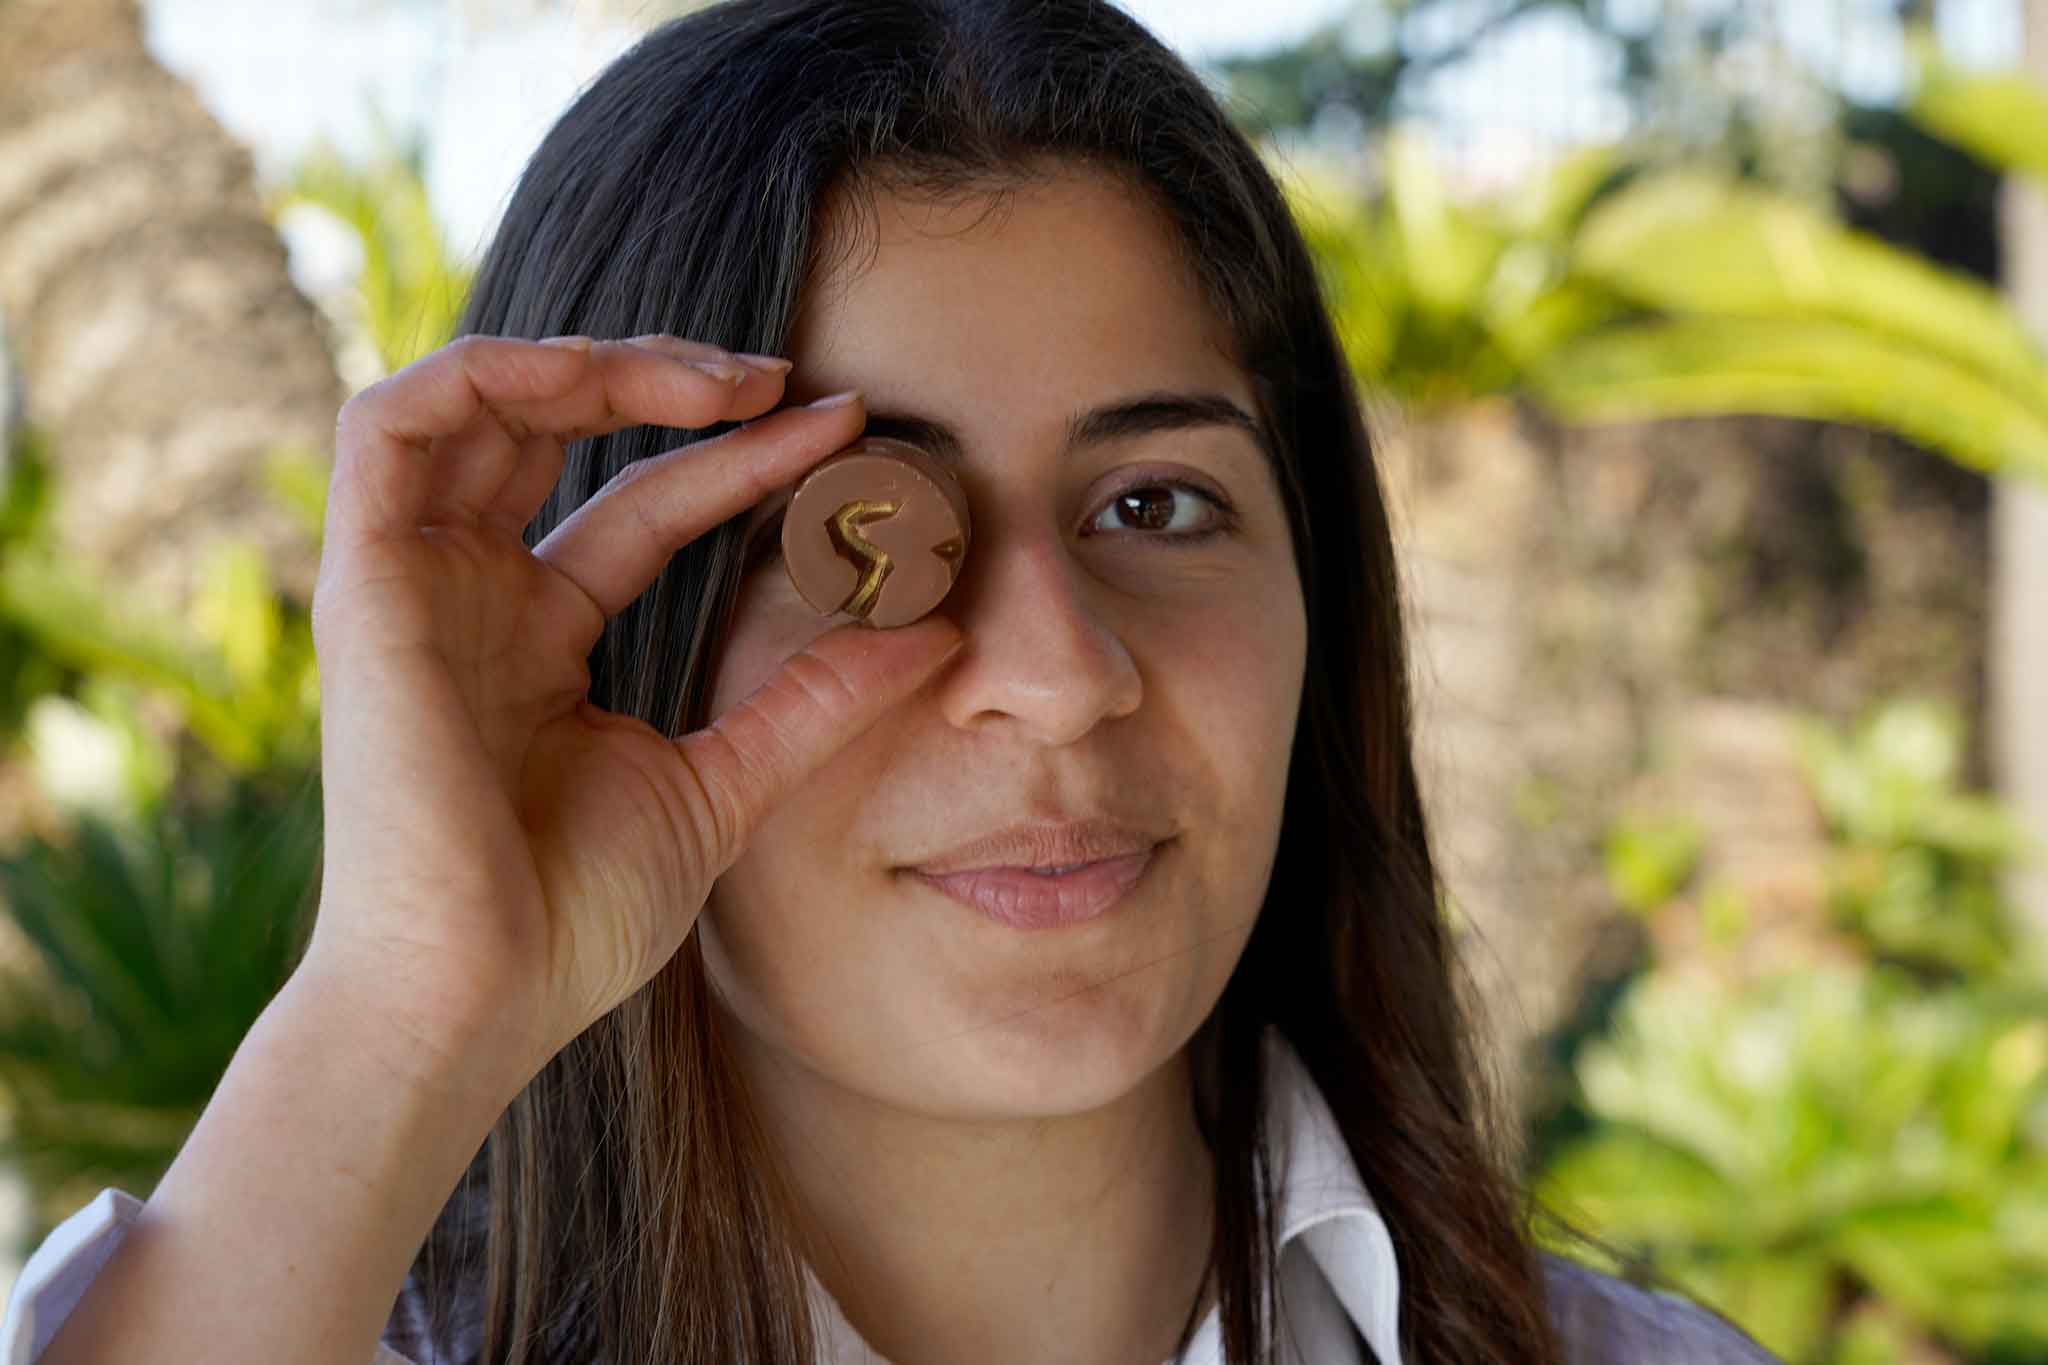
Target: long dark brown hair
{"type": "Point", "coordinates": [625, 1206]}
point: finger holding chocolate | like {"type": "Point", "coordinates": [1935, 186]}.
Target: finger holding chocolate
{"type": "Point", "coordinates": [877, 532]}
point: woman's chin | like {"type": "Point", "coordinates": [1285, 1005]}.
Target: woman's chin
{"type": "Point", "coordinates": [1067, 1056]}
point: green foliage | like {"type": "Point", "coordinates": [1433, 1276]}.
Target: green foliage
{"type": "Point", "coordinates": [242, 672]}
{"type": "Point", "coordinates": [1916, 879]}
{"type": "Point", "coordinates": [146, 933]}
{"type": "Point", "coordinates": [1438, 302]}
{"type": "Point", "coordinates": [152, 950]}
{"type": "Point", "coordinates": [1753, 302]}
{"type": "Point", "coordinates": [1607, 292]}
{"type": "Point", "coordinates": [1845, 1150]}
{"type": "Point", "coordinates": [298, 480]}
{"type": "Point", "coordinates": [1999, 118]}
{"type": "Point", "coordinates": [159, 924]}
{"type": "Point", "coordinates": [155, 926]}
{"type": "Point", "coordinates": [412, 287]}
{"type": "Point", "coordinates": [26, 670]}
{"type": "Point", "coordinates": [1648, 860]}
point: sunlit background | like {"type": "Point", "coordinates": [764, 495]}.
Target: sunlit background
{"type": "Point", "coordinates": [1701, 339]}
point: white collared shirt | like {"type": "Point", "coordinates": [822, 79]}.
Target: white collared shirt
{"type": "Point", "coordinates": [1338, 1280]}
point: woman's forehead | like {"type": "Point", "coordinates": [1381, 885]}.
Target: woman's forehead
{"type": "Point", "coordinates": [1063, 228]}
{"type": "Point", "coordinates": [1069, 286]}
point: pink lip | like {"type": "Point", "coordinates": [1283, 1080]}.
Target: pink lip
{"type": "Point", "coordinates": [1026, 900]}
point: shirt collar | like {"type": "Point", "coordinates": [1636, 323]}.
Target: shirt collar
{"type": "Point", "coordinates": [1326, 1211]}
{"type": "Point", "coordinates": [1338, 1270]}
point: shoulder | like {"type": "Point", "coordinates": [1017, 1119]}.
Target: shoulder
{"type": "Point", "coordinates": [1602, 1318]}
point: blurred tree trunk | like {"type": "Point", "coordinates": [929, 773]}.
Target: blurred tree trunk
{"type": "Point", "coordinates": [162, 347]}
{"type": "Point", "coordinates": [2019, 624]}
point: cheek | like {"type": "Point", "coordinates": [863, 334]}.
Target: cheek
{"type": "Point", "coordinates": [1240, 675]}
{"type": "Point", "coordinates": [769, 624]}
{"type": "Point", "coordinates": [775, 944]}
{"type": "Point", "coordinates": [1237, 657]}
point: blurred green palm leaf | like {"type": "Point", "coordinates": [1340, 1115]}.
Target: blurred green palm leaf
{"type": "Point", "coordinates": [1610, 293]}
{"type": "Point", "coordinates": [151, 952]}
{"type": "Point", "coordinates": [1999, 118]}
{"type": "Point", "coordinates": [244, 675]}
{"type": "Point", "coordinates": [411, 287]}
{"type": "Point", "coordinates": [1824, 369]}
{"type": "Point", "coordinates": [1694, 245]}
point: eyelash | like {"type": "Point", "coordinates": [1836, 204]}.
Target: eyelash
{"type": "Point", "coordinates": [767, 542]}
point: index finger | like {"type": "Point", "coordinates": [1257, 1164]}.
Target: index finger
{"type": "Point", "coordinates": [510, 389]}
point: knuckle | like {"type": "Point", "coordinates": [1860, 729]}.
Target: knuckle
{"type": "Point", "coordinates": [357, 411]}
{"type": "Point", "coordinates": [715, 811]}
{"type": "Point", "coordinates": [630, 472]}
{"type": "Point", "coordinates": [773, 756]}
{"type": "Point", "coordinates": [823, 684]}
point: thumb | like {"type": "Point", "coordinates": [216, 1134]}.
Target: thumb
{"type": "Point", "coordinates": [817, 702]}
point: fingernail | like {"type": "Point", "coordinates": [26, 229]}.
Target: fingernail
{"type": "Point", "coordinates": [773, 364]}
{"type": "Point", "coordinates": [718, 369]}
{"type": "Point", "coordinates": [573, 343]}
{"type": "Point", "coordinates": [836, 400]}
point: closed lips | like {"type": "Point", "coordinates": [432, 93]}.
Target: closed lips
{"type": "Point", "coordinates": [1044, 848]}
{"type": "Point", "coordinates": [1035, 890]}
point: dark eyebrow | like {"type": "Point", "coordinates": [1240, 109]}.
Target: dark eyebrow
{"type": "Point", "coordinates": [1142, 415]}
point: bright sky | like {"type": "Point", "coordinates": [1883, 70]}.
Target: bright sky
{"type": "Point", "coordinates": [282, 72]}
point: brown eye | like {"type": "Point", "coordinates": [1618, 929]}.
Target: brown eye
{"type": "Point", "coordinates": [1181, 510]}
{"type": "Point", "coordinates": [1150, 509]}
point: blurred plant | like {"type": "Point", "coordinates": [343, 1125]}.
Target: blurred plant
{"type": "Point", "coordinates": [409, 288]}
{"type": "Point", "coordinates": [241, 671]}
{"type": "Point", "coordinates": [1607, 292]}
{"type": "Point", "coordinates": [152, 920]}
{"type": "Point", "coordinates": [1845, 1152]}
{"type": "Point", "coordinates": [1648, 860]}
{"type": "Point", "coordinates": [1825, 1136]}
{"type": "Point", "coordinates": [27, 672]}
{"type": "Point", "coordinates": [1999, 117]}
{"type": "Point", "coordinates": [151, 951]}
{"type": "Point", "coordinates": [152, 910]}
{"type": "Point", "coordinates": [156, 918]}
{"type": "Point", "coordinates": [1915, 879]}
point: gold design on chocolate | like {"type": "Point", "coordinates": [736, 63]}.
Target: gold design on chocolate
{"type": "Point", "coordinates": [951, 550]}
{"type": "Point", "coordinates": [871, 561]}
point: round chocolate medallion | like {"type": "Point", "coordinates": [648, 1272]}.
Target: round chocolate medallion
{"type": "Point", "coordinates": [876, 532]}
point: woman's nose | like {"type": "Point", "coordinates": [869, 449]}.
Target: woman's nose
{"type": "Point", "coordinates": [1041, 659]}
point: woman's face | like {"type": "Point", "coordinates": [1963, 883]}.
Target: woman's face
{"type": "Point", "coordinates": [1135, 638]}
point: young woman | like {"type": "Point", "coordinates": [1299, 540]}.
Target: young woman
{"type": "Point", "coordinates": [1214, 1099]}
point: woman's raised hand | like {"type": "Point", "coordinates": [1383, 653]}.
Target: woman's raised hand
{"type": "Point", "coordinates": [505, 862]}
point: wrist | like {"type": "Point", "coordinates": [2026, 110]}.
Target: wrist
{"type": "Point", "coordinates": [470, 1049]}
